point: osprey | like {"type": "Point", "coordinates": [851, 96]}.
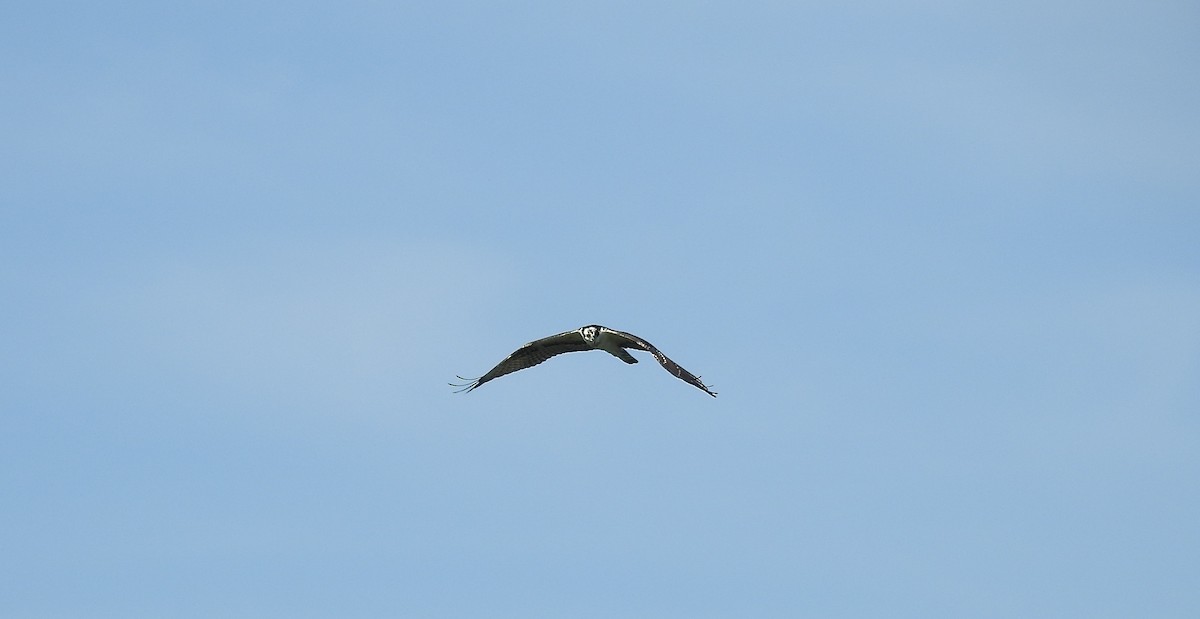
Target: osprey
{"type": "Point", "coordinates": [590, 337]}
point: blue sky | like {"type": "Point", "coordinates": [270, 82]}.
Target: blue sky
{"type": "Point", "coordinates": [939, 259]}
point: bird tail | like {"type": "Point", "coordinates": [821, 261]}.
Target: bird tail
{"type": "Point", "coordinates": [624, 355]}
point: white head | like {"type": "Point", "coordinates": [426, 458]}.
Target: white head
{"type": "Point", "coordinates": [590, 333]}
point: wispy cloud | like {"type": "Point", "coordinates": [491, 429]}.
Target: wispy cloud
{"type": "Point", "coordinates": [347, 323]}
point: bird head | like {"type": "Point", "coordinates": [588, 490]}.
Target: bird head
{"type": "Point", "coordinates": [590, 333]}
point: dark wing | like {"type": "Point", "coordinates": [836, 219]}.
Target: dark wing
{"type": "Point", "coordinates": [530, 355]}
{"type": "Point", "coordinates": [633, 341]}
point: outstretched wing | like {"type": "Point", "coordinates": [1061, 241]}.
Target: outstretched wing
{"type": "Point", "coordinates": [628, 340]}
{"type": "Point", "coordinates": [530, 355]}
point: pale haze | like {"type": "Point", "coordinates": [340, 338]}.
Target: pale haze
{"type": "Point", "coordinates": [941, 261]}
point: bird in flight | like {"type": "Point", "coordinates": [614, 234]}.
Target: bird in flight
{"type": "Point", "coordinates": [591, 337]}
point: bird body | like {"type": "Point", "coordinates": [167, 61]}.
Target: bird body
{"type": "Point", "coordinates": [607, 340]}
{"type": "Point", "coordinates": [590, 337]}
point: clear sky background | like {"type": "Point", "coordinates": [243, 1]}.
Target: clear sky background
{"type": "Point", "coordinates": [941, 260]}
